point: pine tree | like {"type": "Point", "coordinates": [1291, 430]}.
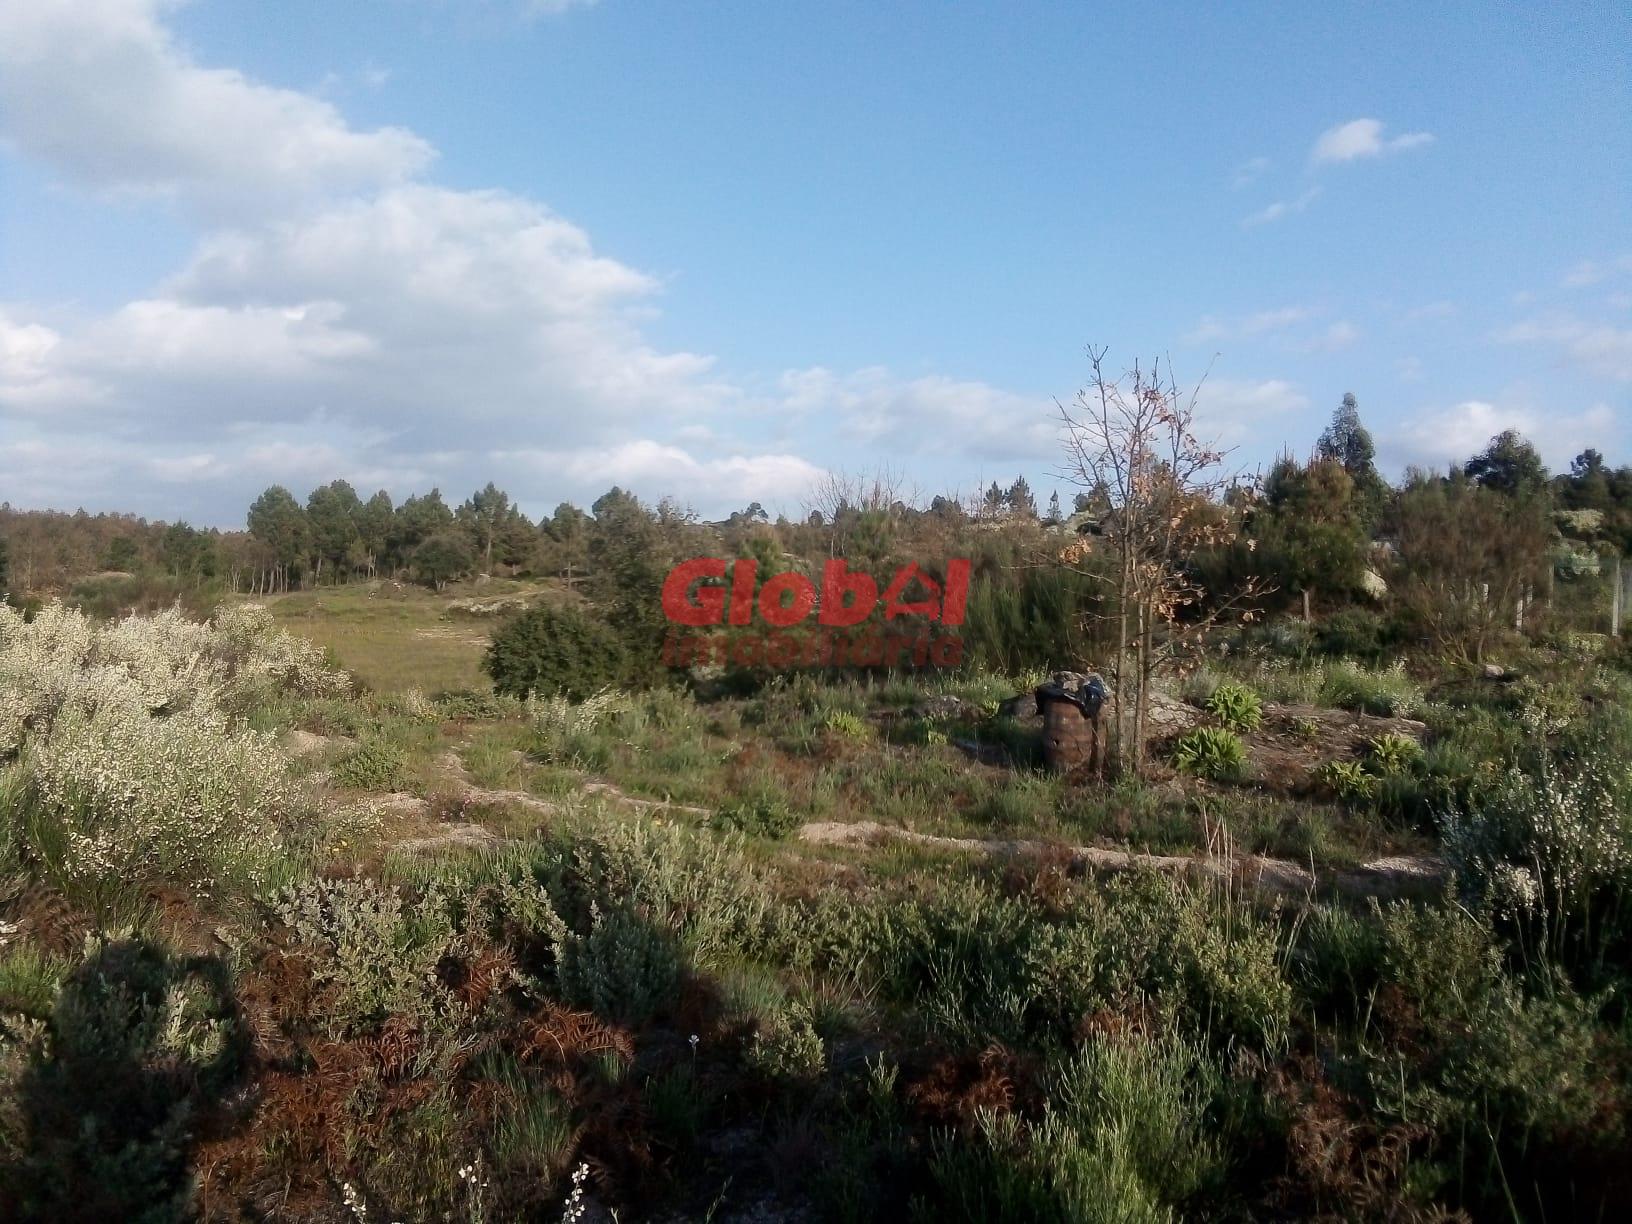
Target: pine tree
{"type": "Point", "coordinates": [1347, 442]}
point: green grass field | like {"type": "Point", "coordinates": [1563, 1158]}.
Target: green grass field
{"type": "Point", "coordinates": [399, 638]}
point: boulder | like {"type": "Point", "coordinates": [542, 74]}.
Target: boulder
{"type": "Point", "coordinates": [1022, 705]}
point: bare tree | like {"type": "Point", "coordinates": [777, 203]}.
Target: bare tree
{"type": "Point", "coordinates": [1132, 438]}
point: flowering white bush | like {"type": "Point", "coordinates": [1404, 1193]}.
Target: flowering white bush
{"type": "Point", "coordinates": [1550, 843]}
{"type": "Point", "coordinates": [131, 769]}
{"type": "Point", "coordinates": [184, 798]}
{"type": "Point", "coordinates": [263, 654]}
{"type": "Point", "coordinates": [64, 660]}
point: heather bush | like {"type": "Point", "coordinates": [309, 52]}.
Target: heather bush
{"type": "Point", "coordinates": [786, 1047]}
{"type": "Point", "coordinates": [622, 967]}
{"type": "Point", "coordinates": [1123, 1139]}
{"type": "Point", "coordinates": [377, 951]}
{"type": "Point", "coordinates": [699, 889]}
{"type": "Point", "coordinates": [374, 764]}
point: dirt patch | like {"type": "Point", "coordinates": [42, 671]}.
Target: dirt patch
{"type": "Point", "coordinates": [1296, 740]}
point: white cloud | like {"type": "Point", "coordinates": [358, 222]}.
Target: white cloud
{"type": "Point", "coordinates": [1228, 411]}
{"type": "Point", "coordinates": [99, 89]}
{"type": "Point", "coordinates": [1452, 435]}
{"type": "Point", "coordinates": [1593, 272]}
{"type": "Point", "coordinates": [1275, 325]}
{"type": "Point", "coordinates": [714, 484]}
{"type": "Point", "coordinates": [1360, 138]}
{"type": "Point", "coordinates": [1281, 208]}
{"type": "Point", "coordinates": [929, 415]}
{"type": "Point", "coordinates": [1335, 337]}
{"type": "Point", "coordinates": [1245, 327]}
{"type": "Point", "coordinates": [1599, 347]}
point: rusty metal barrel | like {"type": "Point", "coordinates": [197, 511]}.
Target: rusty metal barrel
{"type": "Point", "coordinates": [1072, 738]}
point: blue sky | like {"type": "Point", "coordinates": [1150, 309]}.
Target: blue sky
{"type": "Point", "coordinates": [716, 250]}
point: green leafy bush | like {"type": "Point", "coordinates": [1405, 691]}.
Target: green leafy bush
{"type": "Point", "coordinates": [374, 764]}
{"type": "Point", "coordinates": [1236, 706]}
{"type": "Point", "coordinates": [1348, 780]}
{"type": "Point", "coordinates": [786, 1047]}
{"type": "Point", "coordinates": [1394, 753]}
{"type": "Point", "coordinates": [1211, 752]}
{"type": "Point", "coordinates": [851, 726]}
{"type": "Point", "coordinates": [555, 649]}
{"type": "Point", "coordinates": [763, 814]}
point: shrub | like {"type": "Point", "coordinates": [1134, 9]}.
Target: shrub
{"type": "Point", "coordinates": [1236, 707]}
{"type": "Point", "coordinates": [847, 724]}
{"type": "Point", "coordinates": [623, 968]}
{"type": "Point", "coordinates": [375, 764]}
{"type": "Point", "coordinates": [1211, 752]}
{"type": "Point", "coordinates": [1394, 753]}
{"type": "Point", "coordinates": [1124, 1139]}
{"type": "Point", "coordinates": [1550, 847]}
{"type": "Point", "coordinates": [115, 798]}
{"type": "Point", "coordinates": [564, 728]}
{"type": "Point", "coordinates": [138, 1047]}
{"type": "Point", "coordinates": [550, 650]}
{"type": "Point", "coordinates": [1388, 692]}
{"type": "Point", "coordinates": [786, 1047]}
{"type": "Point", "coordinates": [378, 954]}
{"type": "Point", "coordinates": [1355, 633]}
{"type": "Point", "coordinates": [764, 814]}
{"type": "Point", "coordinates": [1348, 780]}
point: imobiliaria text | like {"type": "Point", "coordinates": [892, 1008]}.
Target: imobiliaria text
{"type": "Point", "coordinates": [732, 619]}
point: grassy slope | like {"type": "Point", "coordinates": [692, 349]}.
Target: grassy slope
{"type": "Point", "coordinates": [394, 639]}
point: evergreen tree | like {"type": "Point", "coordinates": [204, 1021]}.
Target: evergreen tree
{"type": "Point", "coordinates": [374, 518]}
{"type": "Point", "coordinates": [1019, 500]}
{"type": "Point", "coordinates": [1508, 465]}
{"type": "Point", "coordinates": [332, 511]}
{"type": "Point", "coordinates": [1348, 443]}
{"type": "Point", "coordinates": [484, 515]}
{"type": "Point", "coordinates": [278, 522]}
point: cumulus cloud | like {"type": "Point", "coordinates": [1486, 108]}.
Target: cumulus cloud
{"type": "Point", "coordinates": [1361, 138]}
{"type": "Point", "coordinates": [1451, 435]}
{"type": "Point", "coordinates": [100, 90]}
{"type": "Point", "coordinates": [341, 315]}
{"type": "Point", "coordinates": [1229, 411]}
